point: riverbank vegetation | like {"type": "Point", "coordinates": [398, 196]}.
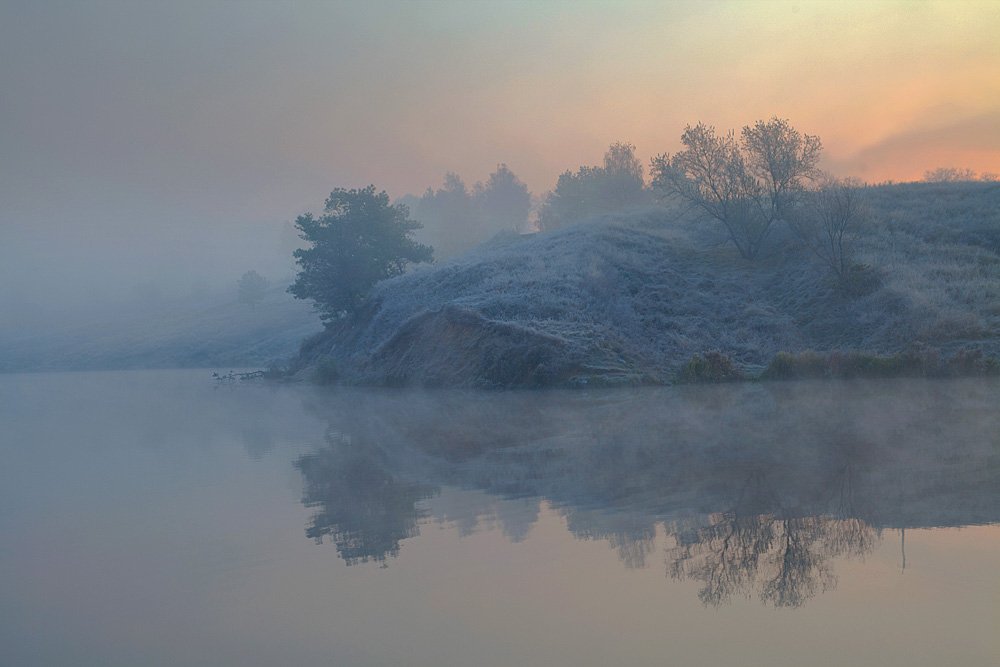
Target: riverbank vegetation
{"type": "Point", "coordinates": [630, 298]}
{"type": "Point", "coordinates": [740, 259]}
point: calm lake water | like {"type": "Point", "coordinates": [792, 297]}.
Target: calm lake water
{"type": "Point", "coordinates": [152, 518]}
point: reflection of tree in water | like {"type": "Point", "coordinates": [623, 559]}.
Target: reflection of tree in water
{"type": "Point", "coordinates": [631, 535]}
{"type": "Point", "coordinates": [516, 517]}
{"type": "Point", "coordinates": [761, 487]}
{"type": "Point", "coordinates": [784, 559]}
{"type": "Point", "coordinates": [633, 547]}
{"type": "Point", "coordinates": [362, 508]}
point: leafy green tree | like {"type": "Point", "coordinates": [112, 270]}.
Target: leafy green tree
{"type": "Point", "coordinates": [252, 287]}
{"type": "Point", "coordinates": [359, 240]}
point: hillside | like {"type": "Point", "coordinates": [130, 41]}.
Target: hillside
{"type": "Point", "coordinates": [630, 298]}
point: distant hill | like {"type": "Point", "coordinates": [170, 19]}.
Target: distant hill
{"type": "Point", "coordinates": [215, 333]}
{"type": "Point", "coordinates": [630, 298]}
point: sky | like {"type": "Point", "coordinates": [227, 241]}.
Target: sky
{"type": "Point", "coordinates": [142, 140]}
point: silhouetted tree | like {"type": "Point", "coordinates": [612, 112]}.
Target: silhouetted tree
{"type": "Point", "coordinates": [359, 240]}
{"type": "Point", "coordinates": [571, 201]}
{"type": "Point", "coordinates": [623, 183]}
{"type": "Point", "coordinates": [503, 202]}
{"type": "Point", "coordinates": [251, 288]}
{"type": "Point", "coordinates": [782, 557]}
{"type": "Point", "coordinates": [361, 507]}
{"type": "Point", "coordinates": [449, 216]}
{"type": "Point", "coordinates": [949, 175]}
{"type": "Point", "coordinates": [616, 186]}
{"type": "Point", "coordinates": [456, 218]}
{"type": "Point", "coordinates": [747, 183]}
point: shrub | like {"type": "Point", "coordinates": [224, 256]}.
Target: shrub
{"type": "Point", "coordinates": [850, 365]}
{"type": "Point", "coordinates": [788, 366]}
{"type": "Point", "coordinates": [710, 367]}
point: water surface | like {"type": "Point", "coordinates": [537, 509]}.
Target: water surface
{"type": "Point", "coordinates": [152, 518]}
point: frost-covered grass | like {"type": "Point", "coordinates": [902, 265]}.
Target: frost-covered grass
{"type": "Point", "coordinates": [638, 295]}
{"type": "Point", "coordinates": [939, 247]}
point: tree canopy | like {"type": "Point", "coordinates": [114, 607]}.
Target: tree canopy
{"type": "Point", "coordinates": [359, 240]}
{"type": "Point", "coordinates": [615, 186]}
{"type": "Point", "coordinates": [503, 201]}
{"type": "Point", "coordinates": [251, 288]}
{"type": "Point", "coordinates": [457, 218]}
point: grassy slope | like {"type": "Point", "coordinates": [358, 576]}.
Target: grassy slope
{"type": "Point", "coordinates": [631, 298]}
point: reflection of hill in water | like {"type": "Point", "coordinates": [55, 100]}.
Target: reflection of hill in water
{"type": "Point", "coordinates": [760, 486]}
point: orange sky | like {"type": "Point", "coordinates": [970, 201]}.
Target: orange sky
{"type": "Point", "coordinates": [893, 89]}
{"type": "Point", "coordinates": [215, 111]}
{"type": "Point", "coordinates": [173, 141]}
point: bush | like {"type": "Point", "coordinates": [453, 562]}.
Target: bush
{"type": "Point", "coordinates": [712, 367]}
{"type": "Point", "coordinates": [788, 366]}
{"type": "Point", "coordinates": [850, 365]}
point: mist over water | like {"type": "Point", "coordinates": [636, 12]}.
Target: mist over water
{"type": "Point", "coordinates": [500, 196]}
{"type": "Point", "coordinates": [158, 518]}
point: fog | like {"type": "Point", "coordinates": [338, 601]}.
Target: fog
{"type": "Point", "coordinates": [499, 333]}
{"type": "Point", "coordinates": [167, 147]}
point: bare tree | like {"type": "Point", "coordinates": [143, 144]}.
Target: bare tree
{"type": "Point", "coordinates": [830, 222]}
{"type": "Point", "coordinates": [949, 175]}
{"type": "Point", "coordinates": [746, 184]}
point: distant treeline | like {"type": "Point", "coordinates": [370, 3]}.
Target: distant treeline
{"type": "Point", "coordinates": [749, 180]}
